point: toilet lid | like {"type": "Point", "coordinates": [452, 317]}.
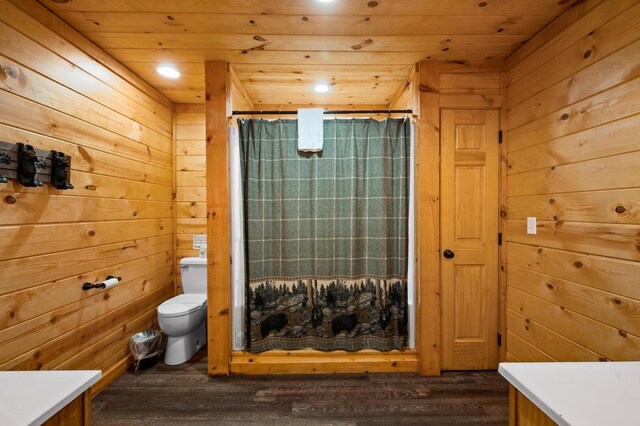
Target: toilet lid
{"type": "Point", "coordinates": [182, 304]}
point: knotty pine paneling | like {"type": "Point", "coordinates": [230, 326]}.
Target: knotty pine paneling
{"type": "Point", "coordinates": [191, 187]}
{"type": "Point", "coordinates": [117, 221]}
{"type": "Point", "coordinates": [573, 156]}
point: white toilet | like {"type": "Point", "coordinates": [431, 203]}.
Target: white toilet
{"type": "Point", "coordinates": [183, 318]}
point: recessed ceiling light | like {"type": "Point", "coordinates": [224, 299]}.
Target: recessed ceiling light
{"type": "Point", "coordinates": [168, 71]}
{"type": "Point", "coordinates": [321, 88]}
{"type": "Point", "coordinates": [325, 1]}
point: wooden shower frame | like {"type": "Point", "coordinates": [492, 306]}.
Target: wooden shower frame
{"type": "Point", "coordinates": [420, 92]}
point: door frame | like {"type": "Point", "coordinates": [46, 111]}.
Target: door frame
{"type": "Point", "coordinates": [430, 98]}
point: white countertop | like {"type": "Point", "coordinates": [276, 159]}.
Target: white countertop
{"type": "Point", "coordinates": [580, 393]}
{"type": "Point", "coordinates": [32, 397]}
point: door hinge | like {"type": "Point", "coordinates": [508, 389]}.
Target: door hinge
{"type": "Point", "coordinates": [499, 238]}
{"type": "Point", "coordinates": [499, 339]}
{"type": "Point", "coordinates": [500, 136]}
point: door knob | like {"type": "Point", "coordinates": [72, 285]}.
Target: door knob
{"type": "Point", "coordinates": [449, 254]}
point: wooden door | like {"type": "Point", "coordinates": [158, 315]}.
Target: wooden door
{"type": "Point", "coordinates": [469, 239]}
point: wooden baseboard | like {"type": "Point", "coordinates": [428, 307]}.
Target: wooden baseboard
{"type": "Point", "coordinates": [317, 362]}
{"type": "Point", "coordinates": [109, 375]}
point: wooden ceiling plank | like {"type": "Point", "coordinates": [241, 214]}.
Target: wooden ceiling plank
{"type": "Point", "coordinates": [311, 99]}
{"type": "Point", "coordinates": [313, 78]}
{"type": "Point", "coordinates": [547, 8]}
{"type": "Point", "coordinates": [372, 95]}
{"type": "Point", "coordinates": [310, 58]}
{"type": "Point", "coordinates": [395, 70]}
{"type": "Point", "coordinates": [239, 42]}
{"type": "Point", "coordinates": [325, 105]}
{"type": "Point", "coordinates": [303, 25]}
{"type": "Point", "coordinates": [305, 94]}
{"type": "Point", "coordinates": [335, 85]}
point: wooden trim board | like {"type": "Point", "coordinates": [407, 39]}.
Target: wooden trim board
{"type": "Point", "coordinates": [218, 224]}
{"type": "Point", "coordinates": [111, 374]}
{"type": "Point", "coordinates": [502, 228]}
{"type": "Point", "coordinates": [317, 362]}
{"type": "Point", "coordinates": [428, 220]}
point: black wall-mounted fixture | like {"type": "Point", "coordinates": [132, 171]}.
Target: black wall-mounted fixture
{"type": "Point", "coordinates": [4, 159]}
{"type": "Point", "coordinates": [60, 170]}
{"type": "Point", "coordinates": [89, 286]}
{"type": "Point", "coordinates": [27, 163]}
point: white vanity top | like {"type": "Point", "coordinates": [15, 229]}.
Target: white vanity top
{"type": "Point", "coordinates": [32, 397]}
{"type": "Point", "coordinates": [580, 393]}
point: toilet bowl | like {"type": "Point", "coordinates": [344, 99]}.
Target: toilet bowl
{"type": "Point", "coordinates": [183, 318]}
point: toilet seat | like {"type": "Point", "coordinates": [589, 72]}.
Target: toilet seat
{"type": "Point", "coordinates": [182, 304]}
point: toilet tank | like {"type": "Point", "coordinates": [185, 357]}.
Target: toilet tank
{"type": "Point", "coordinates": [193, 271]}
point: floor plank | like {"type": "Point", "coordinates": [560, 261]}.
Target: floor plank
{"type": "Point", "coordinates": [186, 395]}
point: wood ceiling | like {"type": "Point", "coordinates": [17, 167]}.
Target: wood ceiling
{"type": "Point", "coordinates": [278, 48]}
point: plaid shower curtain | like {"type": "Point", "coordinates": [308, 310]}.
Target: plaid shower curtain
{"type": "Point", "coordinates": [326, 235]}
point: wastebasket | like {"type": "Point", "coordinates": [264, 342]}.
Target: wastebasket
{"type": "Point", "coordinates": [144, 348]}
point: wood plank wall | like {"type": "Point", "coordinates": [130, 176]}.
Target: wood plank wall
{"type": "Point", "coordinates": [191, 188]}
{"type": "Point", "coordinates": [573, 162]}
{"type": "Point", "coordinates": [58, 91]}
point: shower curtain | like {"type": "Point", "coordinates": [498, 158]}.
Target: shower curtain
{"type": "Point", "coordinates": [326, 235]}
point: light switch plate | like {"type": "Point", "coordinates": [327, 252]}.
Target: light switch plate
{"type": "Point", "coordinates": [531, 226]}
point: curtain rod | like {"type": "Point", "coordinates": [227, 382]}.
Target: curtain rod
{"type": "Point", "coordinates": [330, 112]}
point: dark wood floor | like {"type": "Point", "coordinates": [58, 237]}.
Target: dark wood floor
{"type": "Point", "coordinates": [184, 394]}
